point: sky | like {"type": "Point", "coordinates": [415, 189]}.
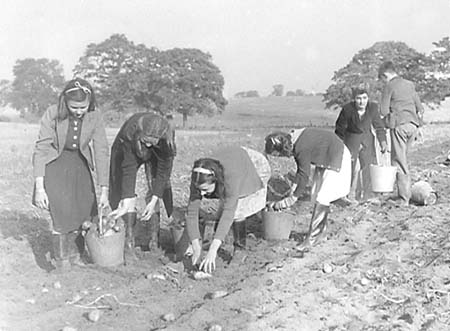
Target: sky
{"type": "Point", "coordinates": [255, 43]}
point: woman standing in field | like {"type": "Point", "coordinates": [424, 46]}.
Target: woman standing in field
{"type": "Point", "coordinates": [62, 165]}
{"type": "Point", "coordinates": [332, 176]}
{"type": "Point", "coordinates": [145, 138]}
{"type": "Point", "coordinates": [238, 177]}
{"type": "Point", "coordinates": [353, 126]}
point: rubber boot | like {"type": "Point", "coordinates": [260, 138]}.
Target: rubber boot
{"type": "Point", "coordinates": [317, 226]}
{"type": "Point", "coordinates": [240, 242]}
{"type": "Point", "coordinates": [130, 221]}
{"type": "Point", "coordinates": [153, 228]}
{"type": "Point", "coordinates": [61, 252]}
{"type": "Point", "coordinates": [240, 235]}
{"type": "Point", "coordinates": [75, 245]}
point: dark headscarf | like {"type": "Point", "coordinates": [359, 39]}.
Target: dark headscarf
{"type": "Point", "coordinates": [152, 125]}
{"type": "Point", "coordinates": [279, 144]}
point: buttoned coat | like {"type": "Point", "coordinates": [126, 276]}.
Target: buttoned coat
{"type": "Point", "coordinates": [52, 138]}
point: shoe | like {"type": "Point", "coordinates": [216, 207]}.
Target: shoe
{"type": "Point", "coordinates": [240, 235]}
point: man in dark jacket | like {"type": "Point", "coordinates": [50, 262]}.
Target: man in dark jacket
{"type": "Point", "coordinates": [403, 111]}
{"type": "Point", "coordinates": [354, 127]}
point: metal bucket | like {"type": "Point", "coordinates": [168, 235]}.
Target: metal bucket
{"type": "Point", "coordinates": [107, 250]}
{"type": "Point", "coordinates": [423, 194]}
{"type": "Point", "coordinates": [277, 224]}
{"type": "Point", "coordinates": [382, 178]}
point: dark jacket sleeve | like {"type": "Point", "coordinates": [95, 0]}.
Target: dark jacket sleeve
{"type": "Point", "coordinates": [163, 172]}
{"type": "Point", "coordinates": [378, 123]}
{"type": "Point", "coordinates": [129, 167]}
{"type": "Point", "coordinates": [341, 124]}
{"type": "Point", "coordinates": [386, 100]}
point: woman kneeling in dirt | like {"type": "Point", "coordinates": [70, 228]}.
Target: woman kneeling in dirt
{"type": "Point", "coordinates": [145, 138]}
{"type": "Point", "coordinates": [238, 177]}
{"type": "Point", "coordinates": [332, 176]}
{"type": "Point", "coordinates": [62, 161]}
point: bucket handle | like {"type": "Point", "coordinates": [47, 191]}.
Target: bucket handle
{"type": "Point", "coordinates": [100, 221]}
{"type": "Point", "coordinates": [384, 159]}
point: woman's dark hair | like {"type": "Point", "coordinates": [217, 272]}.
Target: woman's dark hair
{"type": "Point", "coordinates": [79, 90]}
{"type": "Point", "coordinates": [199, 178]}
{"type": "Point", "coordinates": [153, 125]}
{"type": "Point", "coordinates": [279, 144]}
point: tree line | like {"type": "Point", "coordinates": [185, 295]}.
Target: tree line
{"type": "Point", "coordinates": [430, 73]}
{"type": "Point", "coordinates": [130, 78]}
{"type": "Point", "coordinates": [126, 78]}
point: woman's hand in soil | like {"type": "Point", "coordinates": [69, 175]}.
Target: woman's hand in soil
{"type": "Point", "coordinates": [209, 262]}
{"type": "Point", "coordinates": [126, 205]}
{"type": "Point", "coordinates": [41, 198]}
{"type": "Point", "coordinates": [196, 251]}
{"type": "Point", "coordinates": [149, 210]}
{"type": "Point", "coordinates": [104, 202]}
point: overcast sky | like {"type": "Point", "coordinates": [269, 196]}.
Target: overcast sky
{"type": "Point", "coordinates": [255, 43]}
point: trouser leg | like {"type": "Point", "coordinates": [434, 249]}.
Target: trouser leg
{"type": "Point", "coordinates": [402, 137]}
{"type": "Point", "coordinates": [317, 226]}
{"type": "Point", "coordinates": [130, 222]}
{"type": "Point", "coordinates": [404, 187]}
{"type": "Point", "coordinates": [76, 247]}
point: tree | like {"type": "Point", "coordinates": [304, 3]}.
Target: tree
{"type": "Point", "coordinates": [36, 85]}
{"type": "Point", "coordinates": [130, 77]}
{"type": "Point", "coordinates": [439, 73]}
{"type": "Point", "coordinates": [5, 92]}
{"type": "Point", "coordinates": [277, 90]}
{"type": "Point", "coordinates": [363, 69]}
{"type": "Point", "coordinates": [112, 67]}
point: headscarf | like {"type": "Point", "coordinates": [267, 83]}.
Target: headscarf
{"type": "Point", "coordinates": [77, 84]}
{"type": "Point", "coordinates": [154, 127]}
{"type": "Point", "coordinates": [279, 144]}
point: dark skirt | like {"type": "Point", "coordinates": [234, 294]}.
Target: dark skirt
{"type": "Point", "coordinates": [71, 192]}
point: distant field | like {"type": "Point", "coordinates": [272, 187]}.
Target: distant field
{"type": "Point", "coordinates": [268, 112]}
{"type": "Point", "coordinates": [282, 112]}
{"type": "Point", "coordinates": [253, 114]}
